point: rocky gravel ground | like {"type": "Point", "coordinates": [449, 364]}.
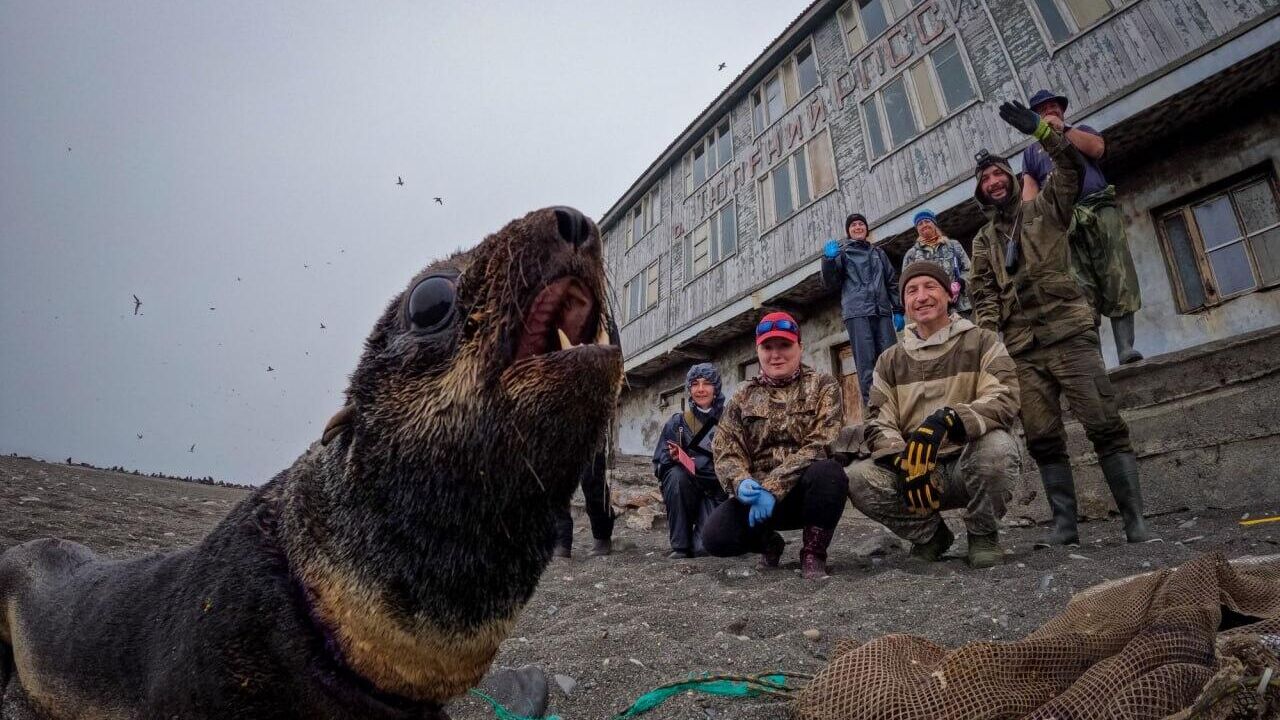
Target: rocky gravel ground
{"type": "Point", "coordinates": [615, 627]}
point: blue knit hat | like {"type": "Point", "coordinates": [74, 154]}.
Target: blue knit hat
{"type": "Point", "coordinates": [925, 214]}
{"type": "Point", "coordinates": [708, 372]}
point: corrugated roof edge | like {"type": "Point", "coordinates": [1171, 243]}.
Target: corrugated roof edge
{"type": "Point", "coordinates": [745, 81]}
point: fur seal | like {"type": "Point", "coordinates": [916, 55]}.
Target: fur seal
{"type": "Point", "coordinates": [376, 576]}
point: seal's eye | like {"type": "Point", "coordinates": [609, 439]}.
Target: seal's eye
{"type": "Point", "coordinates": [431, 303]}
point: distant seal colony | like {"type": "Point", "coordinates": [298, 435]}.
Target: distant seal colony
{"type": "Point", "coordinates": [375, 577]}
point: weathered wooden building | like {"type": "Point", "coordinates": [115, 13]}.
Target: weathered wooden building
{"type": "Point", "coordinates": [878, 106]}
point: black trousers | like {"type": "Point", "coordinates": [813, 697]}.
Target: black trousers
{"type": "Point", "coordinates": [690, 500]}
{"type": "Point", "coordinates": [595, 490]}
{"type": "Point", "coordinates": [816, 500]}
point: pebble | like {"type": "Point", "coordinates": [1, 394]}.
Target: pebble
{"type": "Point", "coordinates": [1074, 556]}
{"type": "Point", "coordinates": [169, 534]}
{"type": "Point", "coordinates": [552, 610]}
{"type": "Point", "coordinates": [1045, 582]}
{"type": "Point", "coordinates": [566, 683]}
{"type": "Point", "coordinates": [29, 498]}
{"type": "Point", "coordinates": [813, 634]}
{"type": "Point", "coordinates": [738, 572]}
{"type": "Point", "coordinates": [1188, 523]}
{"type": "Point", "coordinates": [636, 662]}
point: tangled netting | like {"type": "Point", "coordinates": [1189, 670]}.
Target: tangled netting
{"type": "Point", "coordinates": [1198, 641]}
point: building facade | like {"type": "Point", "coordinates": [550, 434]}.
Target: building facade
{"type": "Point", "coordinates": [878, 106]}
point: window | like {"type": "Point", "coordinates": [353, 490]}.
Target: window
{"type": "Point", "coordinates": [710, 242]}
{"type": "Point", "coordinates": [714, 152]}
{"type": "Point", "coordinates": [1224, 244]}
{"type": "Point", "coordinates": [925, 93]}
{"type": "Point", "coordinates": [863, 20]}
{"type": "Point", "coordinates": [671, 398]}
{"type": "Point", "coordinates": [807, 174]}
{"type": "Point", "coordinates": [797, 75]}
{"type": "Point", "coordinates": [749, 369]}
{"type": "Point", "coordinates": [1064, 18]}
{"type": "Point", "coordinates": [642, 292]}
{"type": "Point", "coordinates": [642, 218]}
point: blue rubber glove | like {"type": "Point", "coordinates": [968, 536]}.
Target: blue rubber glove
{"type": "Point", "coordinates": [831, 249]}
{"type": "Point", "coordinates": [749, 490]}
{"type": "Point", "coordinates": [899, 322]}
{"type": "Point", "coordinates": [762, 509]}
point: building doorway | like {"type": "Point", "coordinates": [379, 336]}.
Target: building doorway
{"type": "Point", "coordinates": [847, 372]}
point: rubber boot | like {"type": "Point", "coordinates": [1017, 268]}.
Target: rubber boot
{"type": "Point", "coordinates": [937, 546]}
{"type": "Point", "coordinates": [984, 551]}
{"type": "Point", "coordinates": [1060, 491]}
{"type": "Point", "coordinates": [813, 553]}
{"type": "Point", "coordinates": [772, 553]}
{"type": "Point", "coordinates": [1122, 331]}
{"type": "Point", "coordinates": [1121, 471]}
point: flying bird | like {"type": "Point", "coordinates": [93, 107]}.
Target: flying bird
{"type": "Point", "coordinates": [237, 278]}
{"type": "Point", "coordinates": [321, 326]}
{"type": "Point", "coordinates": [438, 201]}
{"type": "Point", "coordinates": [192, 448]}
{"type": "Point", "coordinates": [139, 436]}
{"type": "Point", "coordinates": [213, 308]}
{"type": "Point", "coordinates": [720, 68]}
{"type": "Point", "coordinates": [270, 369]}
{"type": "Point", "coordinates": [399, 180]}
{"type": "Point", "coordinates": [68, 149]}
{"type": "Point", "coordinates": [136, 304]}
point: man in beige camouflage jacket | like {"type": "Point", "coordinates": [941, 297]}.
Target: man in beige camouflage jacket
{"type": "Point", "coordinates": [942, 402]}
{"type": "Point", "coordinates": [771, 455]}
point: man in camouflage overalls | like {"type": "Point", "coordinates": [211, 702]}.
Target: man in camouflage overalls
{"type": "Point", "coordinates": [1100, 258]}
{"type": "Point", "coordinates": [1022, 287]}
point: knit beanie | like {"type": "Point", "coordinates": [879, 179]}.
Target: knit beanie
{"type": "Point", "coordinates": [925, 267]}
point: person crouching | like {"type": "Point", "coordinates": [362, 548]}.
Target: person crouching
{"type": "Point", "coordinates": [684, 464]}
{"type": "Point", "coordinates": [942, 403]}
{"type": "Point", "coordinates": [771, 453]}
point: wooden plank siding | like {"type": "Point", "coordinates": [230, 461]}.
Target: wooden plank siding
{"type": "Point", "coordinates": [1136, 43]}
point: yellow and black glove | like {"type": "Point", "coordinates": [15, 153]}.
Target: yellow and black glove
{"type": "Point", "coordinates": [920, 494]}
{"type": "Point", "coordinates": [921, 455]}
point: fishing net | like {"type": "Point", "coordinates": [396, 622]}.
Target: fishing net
{"type": "Point", "coordinates": [1198, 641]}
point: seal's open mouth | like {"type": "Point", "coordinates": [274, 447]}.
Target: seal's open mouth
{"type": "Point", "coordinates": [562, 317]}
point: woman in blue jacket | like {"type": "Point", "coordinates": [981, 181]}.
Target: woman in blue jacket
{"type": "Point", "coordinates": [869, 299]}
{"type": "Point", "coordinates": [682, 461]}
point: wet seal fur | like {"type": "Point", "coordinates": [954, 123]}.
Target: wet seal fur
{"type": "Point", "coordinates": [375, 577]}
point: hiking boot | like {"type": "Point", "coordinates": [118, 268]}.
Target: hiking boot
{"type": "Point", "coordinates": [937, 546]}
{"type": "Point", "coordinates": [1060, 491]}
{"type": "Point", "coordinates": [813, 553]}
{"type": "Point", "coordinates": [984, 551]}
{"type": "Point", "coordinates": [1122, 330]}
{"type": "Point", "coordinates": [772, 553]}
{"type": "Point", "coordinates": [1121, 471]}
{"type": "Point", "coordinates": [600, 548]}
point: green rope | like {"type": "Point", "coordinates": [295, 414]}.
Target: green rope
{"type": "Point", "coordinates": [772, 684]}
{"type": "Point", "coordinates": [504, 714]}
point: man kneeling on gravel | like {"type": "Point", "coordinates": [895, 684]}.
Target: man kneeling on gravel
{"type": "Point", "coordinates": [771, 453]}
{"type": "Point", "coordinates": [941, 405]}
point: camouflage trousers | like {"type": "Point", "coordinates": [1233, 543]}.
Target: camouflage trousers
{"type": "Point", "coordinates": [979, 479]}
{"type": "Point", "coordinates": [1072, 368]}
{"type": "Point", "coordinates": [1100, 259]}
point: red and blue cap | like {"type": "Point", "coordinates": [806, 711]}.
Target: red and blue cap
{"type": "Point", "coordinates": [777, 325]}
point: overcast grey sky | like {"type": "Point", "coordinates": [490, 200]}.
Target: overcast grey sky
{"type": "Point", "coordinates": [243, 156]}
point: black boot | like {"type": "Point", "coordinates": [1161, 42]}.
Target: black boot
{"type": "Point", "coordinates": [1122, 330]}
{"type": "Point", "coordinates": [813, 553]}
{"type": "Point", "coordinates": [1121, 471]}
{"type": "Point", "coordinates": [1060, 491]}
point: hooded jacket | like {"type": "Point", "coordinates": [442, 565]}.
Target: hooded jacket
{"type": "Point", "coordinates": [951, 256]}
{"type": "Point", "coordinates": [683, 428]}
{"type": "Point", "coordinates": [865, 278]}
{"type": "Point", "coordinates": [1038, 303]}
{"type": "Point", "coordinates": [961, 366]}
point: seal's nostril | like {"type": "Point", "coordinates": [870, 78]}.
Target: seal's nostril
{"type": "Point", "coordinates": [572, 225]}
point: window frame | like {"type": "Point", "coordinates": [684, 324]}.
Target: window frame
{"type": "Point", "coordinates": [786, 70]}
{"type": "Point", "coordinates": [814, 196]}
{"type": "Point", "coordinates": [913, 100]}
{"type": "Point", "coordinates": [630, 313]}
{"type": "Point", "coordinates": [709, 144]}
{"type": "Point", "coordinates": [1042, 25]}
{"type": "Point", "coordinates": [649, 205]}
{"type": "Point", "coordinates": [1184, 208]}
{"type": "Point", "coordinates": [862, 24]}
{"type": "Point", "coordinates": [686, 243]}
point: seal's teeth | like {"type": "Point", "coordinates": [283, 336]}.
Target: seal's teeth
{"type": "Point", "coordinates": [564, 340]}
{"type": "Point", "coordinates": [602, 336]}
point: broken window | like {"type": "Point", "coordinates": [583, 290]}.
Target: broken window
{"type": "Point", "coordinates": [1224, 243]}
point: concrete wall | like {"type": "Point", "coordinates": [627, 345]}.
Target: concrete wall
{"type": "Point", "coordinates": [1198, 158]}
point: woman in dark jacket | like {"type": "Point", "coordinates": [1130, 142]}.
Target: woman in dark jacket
{"type": "Point", "coordinates": [683, 464]}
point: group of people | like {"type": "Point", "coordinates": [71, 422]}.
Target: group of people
{"type": "Point", "coordinates": [985, 341]}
